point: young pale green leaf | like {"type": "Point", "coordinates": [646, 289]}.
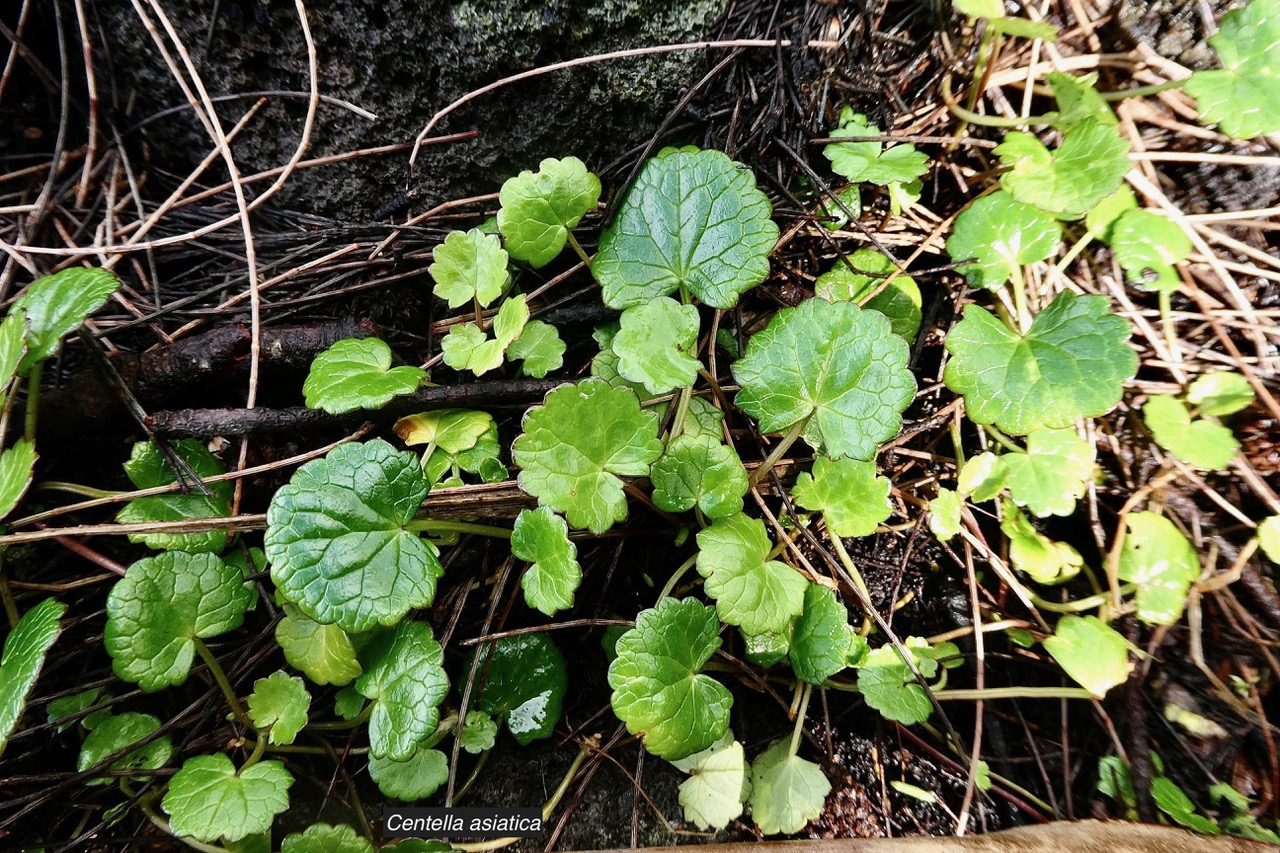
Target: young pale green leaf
{"type": "Point", "coordinates": [1030, 551]}
{"type": "Point", "coordinates": [605, 364]}
{"type": "Point", "coordinates": [1089, 165]}
{"type": "Point", "coordinates": [116, 733]}
{"type": "Point", "coordinates": [1243, 99]}
{"type": "Point", "coordinates": [1023, 28]}
{"type": "Point", "coordinates": [944, 514]}
{"type": "Point", "coordinates": [983, 477]}
{"type": "Point", "coordinates": [578, 444]}
{"type": "Point", "coordinates": [348, 703]}
{"type": "Point", "coordinates": [1148, 248]}
{"type": "Point", "coordinates": [786, 791]}
{"type": "Point", "coordinates": [279, 702]}
{"type": "Point", "coordinates": [1198, 442]}
{"type": "Point", "coordinates": [337, 539]}
{"type": "Point", "coordinates": [451, 430]}
{"type": "Point", "coordinates": [756, 595]}
{"type": "Point", "coordinates": [703, 418]}
{"type": "Point", "coordinates": [899, 300]}
{"type": "Point", "coordinates": [525, 683]}
{"type": "Point", "coordinates": [479, 733]}
{"type": "Point", "coordinates": [539, 349]}
{"type": "Point", "coordinates": [658, 690]}
{"type": "Point", "coordinates": [996, 235]}
{"type": "Point", "coordinates": [161, 605]}
{"type": "Point", "coordinates": [692, 220]}
{"type": "Point", "coordinates": [17, 464]}
{"type": "Point", "coordinates": [1220, 393]}
{"type": "Point", "coordinates": [1107, 212]}
{"type": "Point", "coordinates": [870, 162]}
{"type": "Point", "coordinates": [207, 799]}
{"type": "Point", "coordinates": [61, 711]}
{"type": "Point", "coordinates": [835, 213]}
{"type": "Point", "coordinates": [467, 347]}
{"type": "Point", "coordinates": [1091, 652]}
{"type": "Point", "coordinates": [538, 209]}
{"type": "Point", "coordinates": [764, 650]}
{"type": "Point", "coordinates": [1072, 363]}
{"type": "Point", "coordinates": [323, 653]}
{"type": "Point", "coordinates": [484, 460]}
{"type": "Point", "coordinates": [415, 778]}
{"type": "Point", "coordinates": [24, 652]}
{"type": "Point", "coordinates": [148, 467]}
{"type": "Point", "coordinates": [820, 644]}
{"type": "Point", "coordinates": [326, 838]}
{"type": "Point", "coordinates": [405, 679]}
{"type": "Point", "coordinates": [835, 366]}
{"type": "Point", "coordinates": [1078, 100]}
{"type": "Point", "coordinates": [718, 785]}
{"type": "Point", "coordinates": [887, 684]}
{"type": "Point", "coordinates": [470, 265]}
{"type": "Point", "coordinates": [542, 538]}
{"type": "Point", "coordinates": [853, 499]}
{"type": "Point", "coordinates": [357, 374]}
{"type": "Point", "coordinates": [13, 330]}
{"type": "Point", "coordinates": [1053, 472]}
{"type": "Point", "coordinates": [979, 8]}
{"type": "Point", "coordinates": [1160, 560]}
{"type": "Point", "coordinates": [1269, 537]}
{"type": "Point", "coordinates": [653, 344]}
{"type": "Point", "coordinates": [702, 471]}
{"type": "Point", "coordinates": [56, 305]}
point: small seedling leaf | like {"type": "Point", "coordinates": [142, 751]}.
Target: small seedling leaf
{"type": "Point", "coordinates": [1220, 393]}
{"type": "Point", "coordinates": [1148, 248]}
{"type": "Point", "coordinates": [280, 701]}
{"type": "Point", "coordinates": [542, 538]}
{"type": "Point", "coordinates": [1196, 441]}
{"type": "Point", "coordinates": [871, 162]}
{"type": "Point", "coordinates": [148, 467]}
{"type": "Point", "coordinates": [207, 799]}
{"type": "Point", "coordinates": [467, 347]}
{"type": "Point", "coordinates": [1052, 474]}
{"type": "Point", "coordinates": [61, 710]}
{"type": "Point", "coordinates": [718, 785]}
{"type": "Point", "coordinates": [1023, 28]}
{"type": "Point", "coordinates": [1089, 166]}
{"type": "Point", "coordinates": [357, 374]}
{"type": "Point", "coordinates": [538, 209]}
{"type": "Point", "coordinates": [479, 733]}
{"type": "Point", "coordinates": [1243, 99]}
{"type": "Point", "coordinates": [1078, 100]}
{"type": "Point", "coordinates": [415, 778]}
{"type": "Point", "coordinates": [56, 305]}
{"type": "Point", "coordinates": [1269, 537]}
{"type": "Point", "coordinates": [1107, 212]}
{"type": "Point", "coordinates": [450, 430]}
{"type": "Point", "coordinates": [24, 653]}
{"type": "Point", "coordinates": [17, 465]}
{"type": "Point", "coordinates": [699, 470]}
{"type": "Point", "coordinates": [524, 685]}
{"type": "Point", "coordinates": [658, 690]}
{"type": "Point", "coordinates": [899, 300]}
{"type": "Point", "coordinates": [1160, 560]}
{"type": "Point", "coordinates": [13, 331]}
{"type": "Point", "coordinates": [820, 644]}
{"type": "Point", "coordinates": [983, 477]}
{"type": "Point", "coordinates": [1030, 551]}
{"type": "Point", "coordinates": [605, 364]}
{"type": "Point", "coordinates": [692, 220]}
{"type": "Point", "coordinates": [757, 596]}
{"type": "Point", "coordinates": [405, 679]}
{"type": "Point", "coordinates": [117, 732]}
{"type": "Point", "coordinates": [887, 684]}
{"type": "Point", "coordinates": [1091, 652]}
{"type": "Point", "coordinates": [323, 653]}
{"type": "Point", "coordinates": [539, 349]}
{"type": "Point", "coordinates": [852, 497]}
{"type": "Point", "coordinates": [1000, 235]}
{"type": "Point", "coordinates": [979, 8]}
{"type": "Point", "coordinates": [469, 265]}
{"type": "Point", "coordinates": [944, 514]}
{"type": "Point", "coordinates": [326, 838]}
{"type": "Point", "coordinates": [653, 344]}
{"type": "Point", "coordinates": [786, 790]}
{"type": "Point", "coordinates": [764, 650]}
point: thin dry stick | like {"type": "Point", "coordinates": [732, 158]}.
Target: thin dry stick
{"type": "Point", "coordinates": [91, 85]}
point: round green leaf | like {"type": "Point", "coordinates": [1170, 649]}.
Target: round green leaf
{"type": "Point", "coordinates": [207, 799]}
{"type": "Point", "coordinates": [56, 305]}
{"type": "Point", "coordinates": [944, 514]}
{"type": "Point", "coordinates": [326, 838]}
{"type": "Point", "coordinates": [406, 680]}
{"type": "Point", "coordinates": [1000, 235]}
{"type": "Point", "coordinates": [578, 444]}
{"type": "Point", "coordinates": [1198, 442]}
{"type": "Point", "coordinates": [1220, 393]}
{"type": "Point", "coordinates": [653, 344]}
{"type": "Point", "coordinates": [1160, 560]}
{"type": "Point", "coordinates": [1052, 474]}
{"type": "Point", "coordinates": [699, 471]}
{"type": "Point", "coordinates": [479, 733]}
{"type": "Point", "coordinates": [416, 778]}
{"type": "Point", "coordinates": [155, 612]}
{"type": "Point", "coordinates": [835, 364]}
{"type": "Point", "coordinates": [541, 537]}
{"type": "Point", "coordinates": [323, 653]}
{"type": "Point", "coordinates": [692, 220]}
{"type": "Point", "coordinates": [148, 467]}
{"type": "Point", "coordinates": [718, 785]}
{"type": "Point", "coordinates": [758, 596]}
{"type": "Point", "coordinates": [539, 209]}
{"type": "Point", "coordinates": [24, 652]}
{"type": "Point", "coordinates": [852, 498]}
{"type": "Point", "coordinates": [657, 688]}
{"type": "Point", "coordinates": [983, 477]}
{"type": "Point", "coordinates": [117, 732]}
{"type": "Point", "coordinates": [337, 539]}
{"type": "Point", "coordinates": [888, 685]}
{"type": "Point", "coordinates": [524, 684]}
{"type": "Point", "coordinates": [870, 162]}
{"type": "Point", "coordinates": [1269, 537]}
{"type": "Point", "coordinates": [469, 265]}
{"type": "Point", "coordinates": [357, 374]}
{"type": "Point", "coordinates": [1243, 99]}
{"type": "Point", "coordinates": [786, 791]}
{"type": "Point", "coordinates": [61, 711]}
{"type": "Point", "coordinates": [1091, 652]}
{"type": "Point", "coordinates": [1148, 248]}
{"type": "Point", "coordinates": [279, 702]}
{"type": "Point", "coordinates": [451, 430]}
{"type": "Point", "coordinates": [1030, 551]}
{"type": "Point", "coordinates": [540, 349]}
{"type": "Point", "coordinates": [820, 645]}
{"type": "Point", "coordinates": [1078, 100]}
{"type": "Point", "coordinates": [1089, 166]}
{"type": "Point", "coordinates": [899, 301]}
{"type": "Point", "coordinates": [17, 464]}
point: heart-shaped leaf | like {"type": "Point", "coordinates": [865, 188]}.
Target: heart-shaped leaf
{"type": "Point", "coordinates": [415, 778]}
{"type": "Point", "coordinates": [524, 684]}
{"type": "Point", "coordinates": [756, 595]}
{"type": "Point", "coordinates": [1088, 166]}
{"type": "Point", "coordinates": [56, 305]}
{"type": "Point", "coordinates": [17, 465]}
{"type": "Point", "coordinates": [653, 344]}
{"type": "Point", "coordinates": [1091, 652]}
{"type": "Point", "coordinates": [538, 209]}
{"type": "Point", "coordinates": [820, 644]}
{"type": "Point", "coordinates": [117, 732]}
{"type": "Point", "coordinates": [323, 653]}
{"type": "Point", "coordinates": [469, 265]}
{"type": "Point", "coordinates": [24, 652]}
{"type": "Point", "coordinates": [888, 685]}
{"type": "Point", "coordinates": [996, 235]}
{"type": "Point", "coordinates": [542, 538]}
{"type": "Point", "coordinates": [149, 467]}
{"type": "Point", "coordinates": [786, 790]}
{"type": "Point", "coordinates": [1243, 99]}
{"type": "Point", "coordinates": [852, 498]}
{"type": "Point", "coordinates": [1160, 560]}
{"type": "Point", "coordinates": [1198, 442]}
{"type": "Point", "coordinates": [702, 471]}
{"type": "Point", "coordinates": [357, 374]}
{"type": "Point", "coordinates": [207, 799]}
{"type": "Point", "coordinates": [279, 702]}
{"type": "Point", "coordinates": [406, 680]}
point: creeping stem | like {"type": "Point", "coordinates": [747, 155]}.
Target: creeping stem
{"type": "Point", "coordinates": [778, 452]}
{"type": "Point", "coordinates": [215, 669]}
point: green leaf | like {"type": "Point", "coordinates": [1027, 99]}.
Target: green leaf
{"type": "Point", "coordinates": [62, 709]}
{"type": "Point", "coordinates": [1078, 100]}
{"type": "Point", "coordinates": [756, 595]}
{"type": "Point", "coordinates": [899, 301]}
{"type": "Point", "coordinates": [323, 653]}
{"type": "Point", "coordinates": [764, 650]}
{"type": "Point", "coordinates": [914, 791]}
{"type": "Point", "coordinates": [542, 538]}
{"type": "Point", "coordinates": [658, 690]}
{"type": "Point", "coordinates": [653, 344]}
{"type": "Point", "coordinates": [1023, 28]}
{"type": "Point", "coordinates": [467, 347]}
{"type": "Point", "coordinates": [1198, 442]}
{"type": "Point", "coordinates": [468, 266]}
{"type": "Point", "coordinates": [703, 418]}
{"type": "Point", "coordinates": [405, 678]}
{"type": "Point", "coordinates": [13, 330]}
{"type": "Point", "coordinates": [326, 838]}
{"type": "Point", "coordinates": [1243, 99]}
{"type": "Point", "coordinates": [161, 605]}
{"type": "Point", "coordinates": [983, 477]}
{"type": "Point", "coordinates": [1148, 248]}
{"type": "Point", "coordinates": [1000, 235]}
{"type": "Point", "coordinates": [279, 702]}
{"type": "Point", "coordinates": [357, 374]}
{"type": "Point", "coordinates": [539, 209]}
{"type": "Point", "coordinates": [1269, 537]}
{"type": "Point", "coordinates": [699, 470]}
{"type": "Point", "coordinates": [1052, 474]}
{"type": "Point", "coordinates": [718, 785]}
{"type": "Point", "coordinates": [820, 645]}
{"type": "Point", "coordinates": [871, 162]}
{"type": "Point", "coordinates": [451, 430]}
{"type": "Point", "coordinates": [577, 446]}
{"type": "Point", "coordinates": [944, 514]}
{"type": "Point", "coordinates": [56, 305]}
{"type": "Point", "coordinates": [117, 732]}
{"type": "Point", "coordinates": [416, 778]}
{"type": "Point", "coordinates": [337, 539]}
{"type": "Point", "coordinates": [832, 215]}
{"type": "Point", "coordinates": [24, 653]}
{"type": "Point", "coordinates": [539, 348]}
{"type": "Point", "coordinates": [1091, 652]}
{"type": "Point", "coordinates": [692, 220]}
{"type": "Point", "coordinates": [838, 366]}
{"type": "Point", "coordinates": [1160, 560]}
{"type": "Point", "coordinates": [979, 8]}
{"type": "Point", "coordinates": [853, 499]}
{"type": "Point", "coordinates": [1089, 166]}
{"type": "Point", "coordinates": [148, 467]}
{"type": "Point", "coordinates": [1072, 363]}
{"type": "Point", "coordinates": [1107, 212]}
{"type": "Point", "coordinates": [786, 791]}
{"type": "Point", "coordinates": [348, 703]}
{"type": "Point", "coordinates": [525, 683]}
{"type": "Point", "coordinates": [886, 682]}
{"type": "Point", "coordinates": [479, 733]}
{"type": "Point", "coordinates": [1030, 551]}
{"type": "Point", "coordinates": [207, 799]}
{"type": "Point", "coordinates": [1219, 393]}
{"type": "Point", "coordinates": [1174, 802]}
{"type": "Point", "coordinates": [17, 464]}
